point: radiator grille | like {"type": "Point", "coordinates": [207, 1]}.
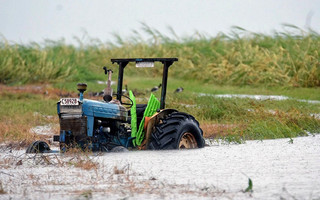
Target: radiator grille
{"type": "Point", "coordinates": [77, 125]}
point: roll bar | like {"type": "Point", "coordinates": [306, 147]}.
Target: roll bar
{"type": "Point", "coordinates": [167, 62]}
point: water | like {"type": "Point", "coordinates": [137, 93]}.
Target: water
{"type": "Point", "coordinates": [281, 168]}
{"type": "Point", "coordinates": [277, 168]}
{"type": "Point", "coordinates": [259, 97]}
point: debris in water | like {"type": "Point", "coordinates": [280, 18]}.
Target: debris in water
{"type": "Point", "coordinates": [290, 141]}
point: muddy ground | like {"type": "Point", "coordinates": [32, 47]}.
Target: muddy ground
{"type": "Point", "coordinates": [282, 168]}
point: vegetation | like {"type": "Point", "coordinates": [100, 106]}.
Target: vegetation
{"type": "Point", "coordinates": [241, 58]}
{"type": "Point", "coordinates": [287, 63]}
{"type": "Point", "coordinates": [1, 189]}
{"type": "Point", "coordinates": [234, 119]}
{"type": "Point", "coordinates": [21, 112]}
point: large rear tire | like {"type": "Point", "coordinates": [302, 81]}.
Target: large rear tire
{"type": "Point", "coordinates": [177, 131]}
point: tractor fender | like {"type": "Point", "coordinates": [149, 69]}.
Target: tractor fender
{"type": "Point", "coordinates": [151, 122]}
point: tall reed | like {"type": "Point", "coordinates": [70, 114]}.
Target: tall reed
{"type": "Point", "coordinates": [289, 58]}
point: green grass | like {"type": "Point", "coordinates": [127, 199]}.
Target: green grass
{"type": "Point", "coordinates": [252, 119]}
{"type": "Point", "coordinates": [241, 58]}
{"type": "Point", "coordinates": [246, 118]}
{"type": "Point", "coordinates": [241, 62]}
{"type": "Point", "coordinates": [195, 86]}
{"type": "Point", "coordinates": [24, 103]}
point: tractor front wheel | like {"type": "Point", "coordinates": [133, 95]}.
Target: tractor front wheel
{"type": "Point", "coordinates": [38, 147]}
{"type": "Point", "coordinates": [177, 131]}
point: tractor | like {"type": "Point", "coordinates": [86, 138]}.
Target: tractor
{"type": "Point", "coordinates": [117, 123]}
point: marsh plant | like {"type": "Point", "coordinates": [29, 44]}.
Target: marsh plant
{"type": "Point", "coordinates": [241, 62]}
{"type": "Point", "coordinates": [289, 58]}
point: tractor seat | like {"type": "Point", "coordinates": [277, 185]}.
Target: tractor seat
{"type": "Point", "coordinates": [140, 108]}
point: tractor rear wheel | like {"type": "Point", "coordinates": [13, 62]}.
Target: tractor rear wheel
{"type": "Point", "coordinates": [177, 131]}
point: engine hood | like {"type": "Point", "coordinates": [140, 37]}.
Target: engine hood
{"type": "Point", "coordinates": [104, 110]}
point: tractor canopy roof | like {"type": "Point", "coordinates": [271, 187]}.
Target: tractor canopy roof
{"type": "Point", "coordinates": [120, 60]}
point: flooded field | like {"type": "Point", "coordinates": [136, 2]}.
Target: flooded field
{"type": "Point", "coordinates": [258, 97]}
{"type": "Point", "coordinates": [282, 168]}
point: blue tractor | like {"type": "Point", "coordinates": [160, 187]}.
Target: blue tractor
{"type": "Point", "coordinates": [117, 123]}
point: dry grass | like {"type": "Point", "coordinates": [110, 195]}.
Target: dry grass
{"type": "Point", "coordinates": [22, 109]}
{"type": "Point", "coordinates": [86, 164]}
{"type": "Point", "coordinates": [17, 136]}
{"type": "Point", "coordinates": [87, 194]}
{"type": "Point", "coordinates": [45, 90]}
{"type": "Point", "coordinates": [1, 189]}
{"type": "Point", "coordinates": [219, 130]}
{"type": "Point", "coordinates": [6, 163]}
{"type": "Point", "coordinates": [81, 159]}
{"type": "Point", "coordinates": [117, 170]}
{"type": "Point", "coordinates": [16, 132]}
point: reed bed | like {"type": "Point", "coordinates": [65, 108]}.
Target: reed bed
{"type": "Point", "coordinates": [290, 58]}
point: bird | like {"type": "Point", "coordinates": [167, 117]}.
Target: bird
{"type": "Point", "coordinates": [156, 88]}
{"type": "Point", "coordinates": [179, 89]}
{"type": "Point", "coordinates": [100, 94]}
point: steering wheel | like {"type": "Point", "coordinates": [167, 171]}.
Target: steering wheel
{"type": "Point", "coordinates": [123, 103]}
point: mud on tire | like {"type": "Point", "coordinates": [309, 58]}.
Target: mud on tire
{"type": "Point", "coordinates": [169, 134]}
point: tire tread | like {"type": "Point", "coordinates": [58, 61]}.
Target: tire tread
{"type": "Point", "coordinates": [167, 133]}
